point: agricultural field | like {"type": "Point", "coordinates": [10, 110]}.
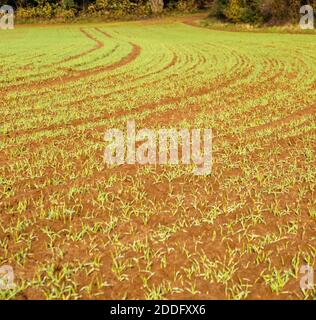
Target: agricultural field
{"type": "Point", "coordinates": [73, 227]}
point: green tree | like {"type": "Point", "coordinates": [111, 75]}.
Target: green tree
{"type": "Point", "coordinates": [67, 4]}
{"type": "Point", "coordinates": [218, 8]}
{"type": "Point", "coordinates": [234, 10]}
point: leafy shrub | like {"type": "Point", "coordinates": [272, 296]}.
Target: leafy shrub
{"type": "Point", "coordinates": [62, 14]}
{"type": "Point", "coordinates": [25, 14]}
{"type": "Point", "coordinates": [44, 11]}
{"type": "Point", "coordinates": [218, 9]}
{"type": "Point", "coordinates": [67, 4]}
{"type": "Point", "coordinates": [187, 5]}
{"type": "Point", "coordinates": [234, 11]}
{"type": "Point", "coordinates": [250, 13]}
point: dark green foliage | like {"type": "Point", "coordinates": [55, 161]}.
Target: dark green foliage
{"type": "Point", "coordinates": [219, 7]}
{"type": "Point", "coordinates": [251, 12]}
{"type": "Point", "coordinates": [67, 4]}
{"type": "Point", "coordinates": [258, 11]}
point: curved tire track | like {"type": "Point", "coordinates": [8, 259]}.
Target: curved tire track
{"type": "Point", "coordinates": [134, 53]}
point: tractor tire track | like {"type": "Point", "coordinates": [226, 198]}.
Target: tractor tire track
{"type": "Point", "coordinates": [134, 53]}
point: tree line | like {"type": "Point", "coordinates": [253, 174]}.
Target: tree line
{"type": "Point", "coordinates": [259, 11]}
{"type": "Point", "coordinates": [243, 11]}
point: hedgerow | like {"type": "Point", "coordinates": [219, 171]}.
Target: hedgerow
{"type": "Point", "coordinates": [236, 11]}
